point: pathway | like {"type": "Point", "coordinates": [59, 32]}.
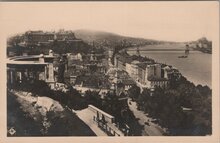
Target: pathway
{"type": "Point", "coordinates": [150, 128]}
{"type": "Point", "coordinates": [87, 116]}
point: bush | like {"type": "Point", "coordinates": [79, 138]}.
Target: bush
{"type": "Point", "coordinates": [134, 92]}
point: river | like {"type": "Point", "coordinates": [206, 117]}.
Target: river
{"type": "Point", "coordinates": [196, 68]}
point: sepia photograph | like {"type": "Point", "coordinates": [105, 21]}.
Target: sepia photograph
{"type": "Point", "coordinates": [120, 69]}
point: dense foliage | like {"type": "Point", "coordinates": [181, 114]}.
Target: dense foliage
{"type": "Point", "coordinates": [184, 110]}
{"type": "Point", "coordinates": [73, 99]}
{"type": "Point", "coordinates": [37, 124]}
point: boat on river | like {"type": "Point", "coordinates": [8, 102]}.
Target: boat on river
{"type": "Point", "coordinates": [184, 56]}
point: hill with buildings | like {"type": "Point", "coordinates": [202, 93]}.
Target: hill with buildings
{"type": "Point", "coordinates": [84, 41]}
{"type": "Point", "coordinates": [203, 44]}
{"type": "Point", "coordinates": [68, 41]}
{"type": "Point", "coordinates": [37, 42]}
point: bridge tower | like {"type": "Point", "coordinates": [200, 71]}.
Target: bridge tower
{"type": "Point", "coordinates": [187, 50]}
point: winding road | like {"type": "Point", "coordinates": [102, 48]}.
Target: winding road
{"type": "Point", "coordinates": [150, 128]}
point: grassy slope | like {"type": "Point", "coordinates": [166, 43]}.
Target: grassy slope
{"type": "Point", "coordinates": [27, 120]}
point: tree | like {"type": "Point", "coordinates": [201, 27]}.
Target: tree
{"type": "Point", "coordinates": [93, 68]}
{"type": "Point", "coordinates": [134, 92]}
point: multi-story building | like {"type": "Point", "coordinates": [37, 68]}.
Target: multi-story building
{"type": "Point", "coordinates": [147, 74]}
{"type": "Point", "coordinates": [65, 35]}
{"type": "Point", "coordinates": [170, 72]}
{"type": "Point", "coordinates": [132, 69]}
{"type": "Point", "coordinates": [41, 37]}
{"type": "Point", "coordinates": [36, 37]}
{"type": "Point", "coordinates": [77, 56]}
{"type": "Point", "coordinates": [153, 70]}
{"type": "Point", "coordinates": [145, 71]}
{"type": "Point", "coordinates": [121, 59]}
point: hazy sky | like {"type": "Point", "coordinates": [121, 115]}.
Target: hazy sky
{"type": "Point", "coordinates": [172, 21]}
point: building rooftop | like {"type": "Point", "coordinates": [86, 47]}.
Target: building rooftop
{"type": "Point", "coordinates": [26, 63]}
{"type": "Point", "coordinates": [16, 58]}
{"type": "Point", "coordinates": [167, 68]}
{"type": "Point", "coordinates": [144, 65]}
{"type": "Point", "coordinates": [124, 57]}
{"type": "Point", "coordinates": [29, 60]}
{"type": "Point", "coordinates": [141, 59]}
{"type": "Point", "coordinates": [135, 62]}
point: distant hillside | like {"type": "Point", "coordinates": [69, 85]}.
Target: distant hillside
{"type": "Point", "coordinates": [99, 38]}
{"type": "Point", "coordinates": [202, 44]}
{"type": "Point", "coordinates": [100, 41]}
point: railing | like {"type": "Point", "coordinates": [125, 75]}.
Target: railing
{"type": "Point", "coordinates": [107, 123]}
{"type": "Point", "coordinates": [101, 113]}
{"type": "Point", "coordinates": [105, 127]}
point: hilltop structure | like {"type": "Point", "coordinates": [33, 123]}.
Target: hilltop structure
{"type": "Point", "coordinates": [31, 38]}
{"type": "Point", "coordinates": [36, 42]}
